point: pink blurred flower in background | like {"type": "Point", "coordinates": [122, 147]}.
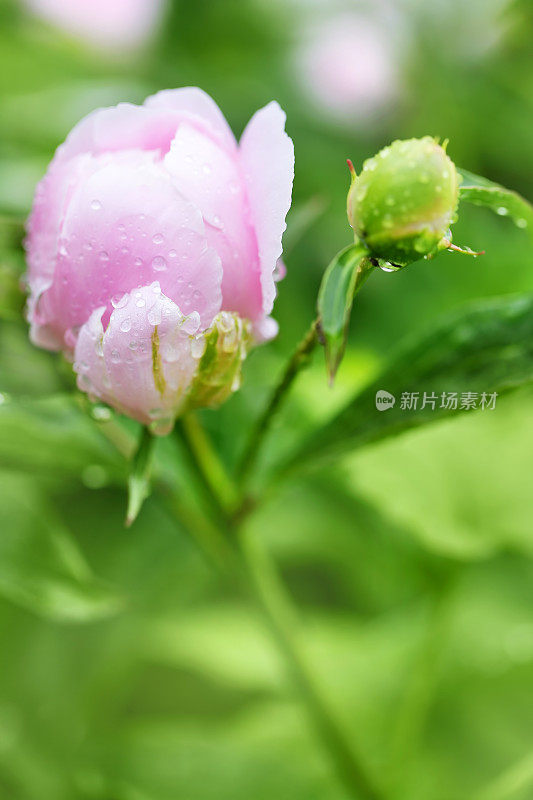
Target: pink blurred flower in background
{"type": "Point", "coordinates": [107, 24]}
{"type": "Point", "coordinates": [347, 65]}
{"type": "Point", "coordinates": [152, 237]}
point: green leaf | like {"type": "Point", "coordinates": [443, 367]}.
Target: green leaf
{"type": "Point", "coordinates": [139, 477]}
{"type": "Point", "coordinates": [486, 347]}
{"type": "Point", "coordinates": [482, 192]}
{"type": "Point", "coordinates": [54, 437]}
{"type": "Point", "coordinates": [342, 279]}
{"type": "Point", "coordinates": [41, 567]}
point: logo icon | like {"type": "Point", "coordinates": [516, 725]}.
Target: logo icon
{"type": "Point", "coordinates": [384, 400]}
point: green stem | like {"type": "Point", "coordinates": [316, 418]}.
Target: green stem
{"type": "Point", "coordinates": [200, 464]}
{"type": "Point", "coordinates": [297, 362]}
{"type": "Point", "coordinates": [239, 555]}
{"type": "Point", "coordinates": [270, 596]}
{"type": "Point", "coordinates": [207, 464]}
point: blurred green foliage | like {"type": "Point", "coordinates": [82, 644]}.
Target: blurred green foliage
{"type": "Point", "coordinates": [411, 561]}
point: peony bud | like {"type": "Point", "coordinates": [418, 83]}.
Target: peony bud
{"type": "Point", "coordinates": [153, 246]}
{"type": "Point", "coordinates": [404, 201]}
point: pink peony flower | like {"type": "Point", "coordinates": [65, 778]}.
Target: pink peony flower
{"type": "Point", "coordinates": [348, 67]}
{"type": "Point", "coordinates": [152, 248]}
{"type": "Point", "coordinates": [107, 24]}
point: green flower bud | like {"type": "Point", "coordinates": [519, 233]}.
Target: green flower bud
{"type": "Point", "coordinates": [404, 201]}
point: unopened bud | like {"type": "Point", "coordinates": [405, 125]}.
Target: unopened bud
{"type": "Point", "coordinates": [404, 201]}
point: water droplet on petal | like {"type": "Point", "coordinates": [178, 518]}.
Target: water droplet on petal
{"type": "Point", "coordinates": [158, 238]}
{"type": "Point", "coordinates": [96, 205]}
{"type": "Point", "coordinates": [141, 302]}
{"type": "Point", "coordinates": [154, 316]}
{"type": "Point", "coordinates": [191, 323]}
{"type": "Point", "coordinates": [119, 300]}
{"type": "Point", "coordinates": [125, 325]}
{"type": "Point", "coordinates": [159, 264]}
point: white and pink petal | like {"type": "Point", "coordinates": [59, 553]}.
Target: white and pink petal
{"type": "Point", "coordinates": [267, 158]}
{"type": "Point", "coordinates": [143, 362]}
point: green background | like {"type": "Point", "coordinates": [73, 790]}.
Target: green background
{"type": "Point", "coordinates": [128, 669]}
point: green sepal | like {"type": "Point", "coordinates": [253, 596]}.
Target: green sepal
{"type": "Point", "coordinates": [219, 369]}
{"type": "Point", "coordinates": [139, 477]}
{"type": "Point", "coordinates": [342, 279]}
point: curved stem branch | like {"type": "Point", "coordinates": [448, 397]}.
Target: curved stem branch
{"type": "Point", "coordinates": [299, 359]}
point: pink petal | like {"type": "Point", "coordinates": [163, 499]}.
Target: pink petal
{"type": "Point", "coordinates": [143, 363]}
{"type": "Point", "coordinates": [267, 157]}
{"type": "Point", "coordinates": [210, 177]}
{"type": "Point", "coordinates": [151, 126]}
{"type": "Point", "coordinates": [126, 226]}
{"type": "Point", "coordinates": [196, 102]}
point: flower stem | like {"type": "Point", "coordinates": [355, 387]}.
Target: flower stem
{"type": "Point", "coordinates": [270, 596]}
{"type": "Point", "coordinates": [240, 555]}
{"type": "Point", "coordinates": [206, 464]}
{"type": "Point", "coordinates": [298, 360]}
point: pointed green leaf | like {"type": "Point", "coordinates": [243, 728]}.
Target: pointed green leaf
{"type": "Point", "coordinates": [485, 348]}
{"type": "Point", "coordinates": [139, 477]}
{"type": "Point", "coordinates": [482, 192]}
{"type": "Point", "coordinates": [41, 566]}
{"type": "Point", "coordinates": [342, 279]}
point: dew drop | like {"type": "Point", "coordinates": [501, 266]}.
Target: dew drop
{"type": "Point", "coordinates": [125, 325]}
{"type": "Point", "coordinates": [158, 238]}
{"type": "Point", "coordinates": [502, 211]}
{"type": "Point", "coordinates": [154, 316]}
{"type": "Point", "coordinates": [159, 264]}
{"type": "Point", "coordinates": [119, 300]}
{"type": "Point", "coordinates": [96, 205]}
{"type": "Point", "coordinates": [522, 223]}
{"type": "Point", "coordinates": [225, 321]}
{"type": "Point", "coordinates": [115, 356]}
{"type": "Point", "coordinates": [138, 262]}
{"type": "Point", "coordinates": [172, 254]}
{"type": "Point", "coordinates": [191, 323]}
{"type": "Point", "coordinates": [388, 267]}
{"type": "Point", "coordinates": [103, 255]}
{"type": "Point", "coordinates": [141, 302]}
{"type": "Point", "coordinates": [198, 347]}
